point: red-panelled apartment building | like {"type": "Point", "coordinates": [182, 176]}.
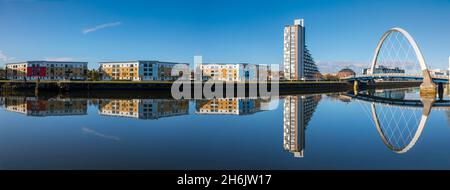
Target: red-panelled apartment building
{"type": "Point", "coordinates": [46, 70]}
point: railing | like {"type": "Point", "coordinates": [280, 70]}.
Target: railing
{"type": "Point", "coordinates": [395, 75]}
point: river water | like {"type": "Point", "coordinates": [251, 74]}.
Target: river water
{"type": "Point", "coordinates": [382, 129]}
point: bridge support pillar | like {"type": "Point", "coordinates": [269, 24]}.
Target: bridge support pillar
{"type": "Point", "coordinates": [427, 105]}
{"type": "Point", "coordinates": [428, 87]}
{"type": "Point", "coordinates": [355, 87]}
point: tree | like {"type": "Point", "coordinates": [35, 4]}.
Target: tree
{"type": "Point", "coordinates": [330, 77]}
{"type": "Point", "coordinates": [318, 76]}
{"type": "Point", "coordinates": [93, 75]}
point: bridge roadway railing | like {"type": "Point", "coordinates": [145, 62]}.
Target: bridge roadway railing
{"type": "Point", "coordinates": [410, 104]}
{"type": "Point", "coordinates": [395, 75]}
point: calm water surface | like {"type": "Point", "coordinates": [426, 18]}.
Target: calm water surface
{"type": "Point", "coordinates": [390, 129]}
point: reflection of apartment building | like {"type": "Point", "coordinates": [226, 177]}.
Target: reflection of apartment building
{"type": "Point", "coordinates": [298, 111]}
{"type": "Point", "coordinates": [138, 70]}
{"type": "Point", "coordinates": [399, 94]}
{"type": "Point", "coordinates": [143, 108]}
{"type": "Point", "coordinates": [234, 71]}
{"type": "Point", "coordinates": [229, 106]}
{"type": "Point", "coordinates": [298, 62]}
{"type": "Point", "coordinates": [49, 107]}
{"type": "Point", "coordinates": [46, 70]}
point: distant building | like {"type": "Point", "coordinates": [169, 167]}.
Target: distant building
{"type": "Point", "coordinates": [138, 70]}
{"type": "Point", "coordinates": [46, 70]}
{"type": "Point", "coordinates": [143, 108]}
{"type": "Point", "coordinates": [298, 62]}
{"type": "Point", "coordinates": [439, 72]}
{"type": "Point", "coordinates": [346, 72]}
{"type": "Point", "coordinates": [33, 106]}
{"type": "Point", "coordinates": [379, 69]}
{"type": "Point", "coordinates": [233, 71]}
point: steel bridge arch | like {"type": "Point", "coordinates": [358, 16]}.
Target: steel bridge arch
{"type": "Point", "coordinates": [411, 41]}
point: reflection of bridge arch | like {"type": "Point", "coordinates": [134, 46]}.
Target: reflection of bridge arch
{"type": "Point", "coordinates": [413, 141]}
{"type": "Point", "coordinates": [426, 104]}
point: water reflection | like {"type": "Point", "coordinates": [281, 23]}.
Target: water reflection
{"type": "Point", "coordinates": [33, 106]}
{"type": "Point", "coordinates": [298, 111]}
{"type": "Point", "coordinates": [138, 108]}
{"type": "Point", "coordinates": [399, 115]}
{"type": "Point", "coordinates": [143, 108]}
{"type": "Point", "coordinates": [231, 106]}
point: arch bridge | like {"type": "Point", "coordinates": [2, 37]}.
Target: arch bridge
{"type": "Point", "coordinates": [396, 54]}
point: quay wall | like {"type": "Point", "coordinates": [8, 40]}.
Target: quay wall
{"type": "Point", "coordinates": [285, 87]}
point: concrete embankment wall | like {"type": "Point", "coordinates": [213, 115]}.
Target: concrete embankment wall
{"type": "Point", "coordinates": [285, 87]}
{"type": "Point", "coordinates": [94, 85]}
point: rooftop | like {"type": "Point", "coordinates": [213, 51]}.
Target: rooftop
{"type": "Point", "coordinates": [136, 61]}
{"type": "Point", "coordinates": [223, 63]}
{"type": "Point", "coordinates": [46, 62]}
{"type": "Point", "coordinates": [346, 70]}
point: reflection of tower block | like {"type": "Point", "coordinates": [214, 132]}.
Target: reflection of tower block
{"type": "Point", "coordinates": [298, 112]}
{"type": "Point", "coordinates": [294, 131]}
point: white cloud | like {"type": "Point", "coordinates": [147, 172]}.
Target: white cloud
{"type": "Point", "coordinates": [59, 59]}
{"type": "Point", "coordinates": [101, 26]}
{"type": "Point", "coordinates": [4, 57]}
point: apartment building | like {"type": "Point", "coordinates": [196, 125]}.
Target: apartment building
{"type": "Point", "coordinates": [233, 71]}
{"type": "Point", "coordinates": [46, 70]}
{"type": "Point", "coordinates": [298, 62]}
{"type": "Point", "coordinates": [138, 70]}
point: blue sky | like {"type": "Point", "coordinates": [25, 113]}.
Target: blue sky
{"type": "Point", "coordinates": [339, 33]}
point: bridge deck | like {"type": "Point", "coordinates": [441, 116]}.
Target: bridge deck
{"type": "Point", "coordinates": [442, 104]}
